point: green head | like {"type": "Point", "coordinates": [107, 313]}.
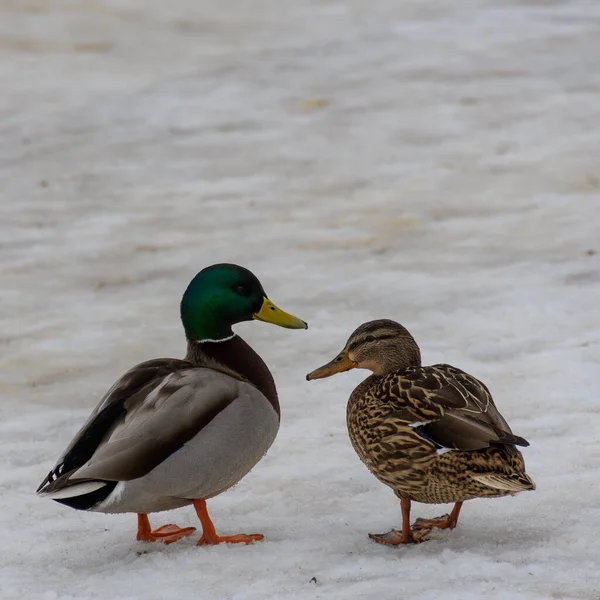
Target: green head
{"type": "Point", "coordinates": [222, 295]}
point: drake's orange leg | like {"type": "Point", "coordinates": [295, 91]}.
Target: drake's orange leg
{"type": "Point", "coordinates": [443, 522]}
{"type": "Point", "coordinates": [166, 534]}
{"type": "Point", "coordinates": [406, 536]}
{"type": "Point", "coordinates": [209, 534]}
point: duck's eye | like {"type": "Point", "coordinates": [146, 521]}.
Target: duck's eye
{"type": "Point", "coordinates": [370, 338]}
{"type": "Point", "coordinates": [242, 290]}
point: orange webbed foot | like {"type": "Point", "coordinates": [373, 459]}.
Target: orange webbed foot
{"type": "Point", "coordinates": [442, 522]}
{"type": "Point", "coordinates": [167, 534]}
{"type": "Point", "coordinates": [396, 537]}
{"type": "Point", "coordinates": [447, 521]}
{"type": "Point", "coordinates": [209, 534]}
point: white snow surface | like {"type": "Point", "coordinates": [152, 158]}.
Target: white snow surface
{"type": "Point", "coordinates": [433, 162]}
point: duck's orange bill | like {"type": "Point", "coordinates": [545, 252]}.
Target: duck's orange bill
{"type": "Point", "coordinates": [339, 364]}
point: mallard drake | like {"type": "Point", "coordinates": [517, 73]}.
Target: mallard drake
{"type": "Point", "coordinates": [172, 432]}
{"type": "Point", "coordinates": [433, 434]}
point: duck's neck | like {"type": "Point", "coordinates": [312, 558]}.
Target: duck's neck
{"type": "Point", "coordinates": [236, 358]}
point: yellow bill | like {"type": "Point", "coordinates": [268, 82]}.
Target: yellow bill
{"type": "Point", "coordinates": [339, 364]}
{"type": "Point", "coordinates": [269, 313]}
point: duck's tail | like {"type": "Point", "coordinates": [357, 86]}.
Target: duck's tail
{"type": "Point", "coordinates": [501, 467]}
{"type": "Point", "coordinates": [511, 483]}
{"type": "Point", "coordinates": [82, 495]}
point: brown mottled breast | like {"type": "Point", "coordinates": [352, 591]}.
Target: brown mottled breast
{"type": "Point", "coordinates": [379, 432]}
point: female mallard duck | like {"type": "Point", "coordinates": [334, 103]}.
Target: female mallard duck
{"type": "Point", "coordinates": [432, 434]}
{"type": "Point", "coordinates": [174, 432]}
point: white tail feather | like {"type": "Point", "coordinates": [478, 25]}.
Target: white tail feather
{"type": "Point", "coordinates": [80, 489]}
{"type": "Point", "coordinates": [498, 482]}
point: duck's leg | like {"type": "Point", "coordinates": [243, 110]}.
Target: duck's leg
{"type": "Point", "coordinates": [166, 533]}
{"type": "Point", "coordinates": [209, 534]}
{"type": "Point", "coordinates": [443, 522]}
{"type": "Point", "coordinates": [406, 536]}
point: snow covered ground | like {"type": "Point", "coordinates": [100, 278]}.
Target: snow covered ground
{"type": "Point", "coordinates": [433, 162]}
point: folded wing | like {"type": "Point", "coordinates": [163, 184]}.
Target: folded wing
{"type": "Point", "coordinates": [454, 410]}
{"type": "Point", "coordinates": [151, 412]}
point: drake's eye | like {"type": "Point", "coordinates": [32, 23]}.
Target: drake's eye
{"type": "Point", "coordinates": [370, 338]}
{"type": "Point", "coordinates": [242, 290]}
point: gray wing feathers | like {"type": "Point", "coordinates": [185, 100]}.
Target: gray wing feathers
{"type": "Point", "coordinates": [150, 413]}
{"type": "Point", "coordinates": [159, 424]}
{"type": "Point", "coordinates": [135, 382]}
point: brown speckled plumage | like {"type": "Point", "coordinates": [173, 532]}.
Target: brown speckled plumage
{"type": "Point", "coordinates": [379, 416]}
{"type": "Point", "coordinates": [433, 434]}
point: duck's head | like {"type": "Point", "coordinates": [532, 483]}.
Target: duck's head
{"type": "Point", "coordinates": [380, 346]}
{"type": "Point", "coordinates": [224, 294]}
